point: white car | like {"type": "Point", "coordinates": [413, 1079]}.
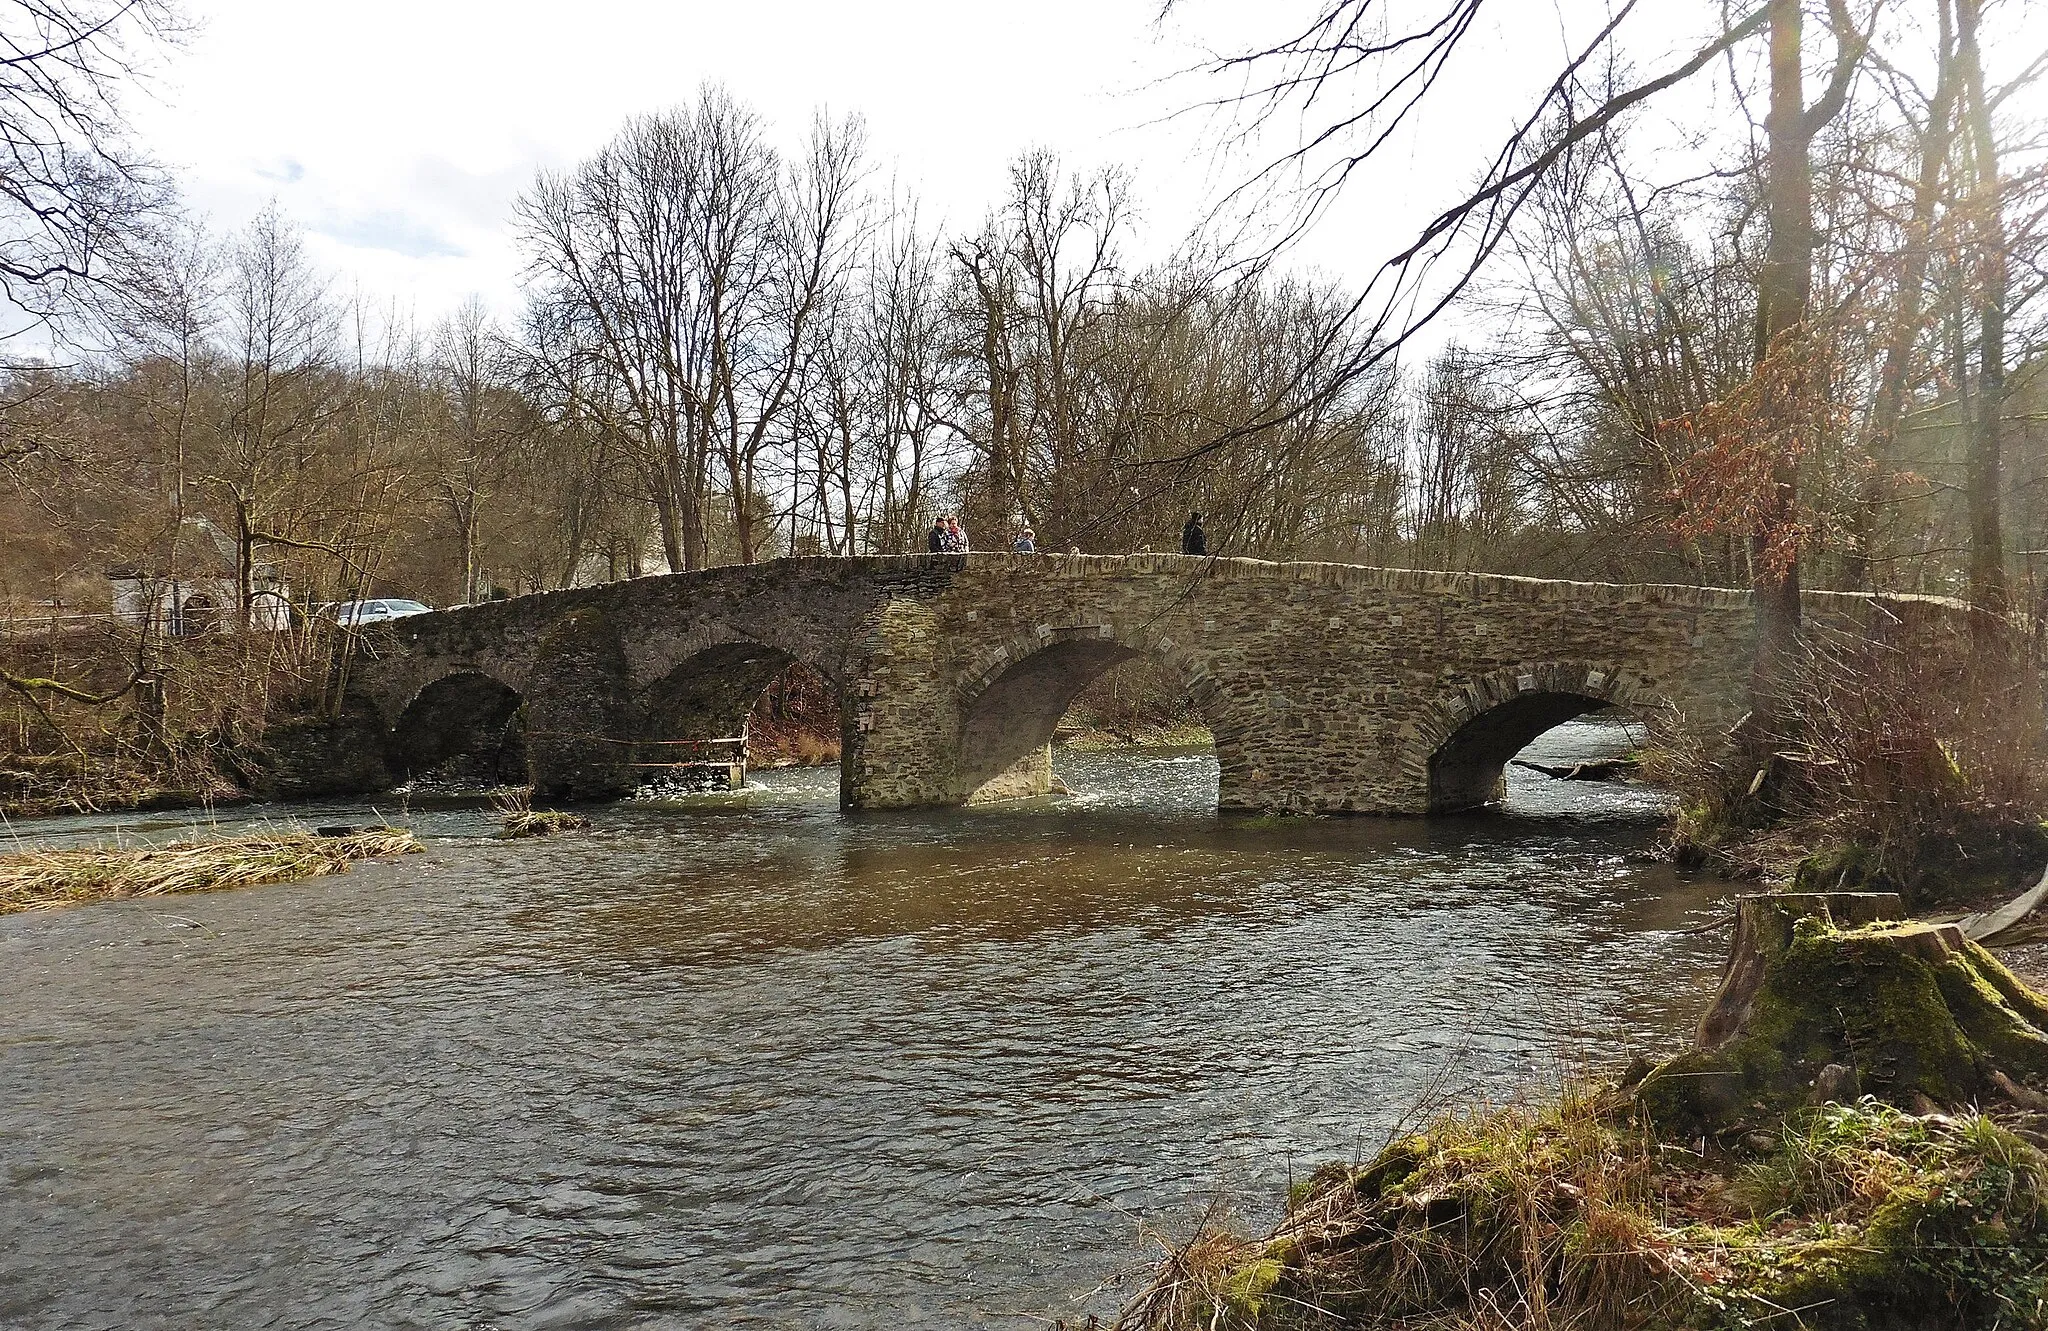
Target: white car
{"type": "Point", "coordinates": [357, 614]}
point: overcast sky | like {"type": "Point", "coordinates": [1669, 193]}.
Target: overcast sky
{"type": "Point", "coordinates": [397, 133]}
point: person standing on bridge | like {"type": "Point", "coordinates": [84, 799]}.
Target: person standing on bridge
{"type": "Point", "coordinates": [956, 536]}
{"type": "Point", "coordinates": [935, 539]}
{"type": "Point", "coordinates": [1193, 540]}
{"type": "Point", "coordinates": [1025, 543]}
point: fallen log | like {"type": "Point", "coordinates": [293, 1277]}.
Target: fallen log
{"type": "Point", "coordinates": [1982, 928]}
{"type": "Point", "coordinates": [1593, 769]}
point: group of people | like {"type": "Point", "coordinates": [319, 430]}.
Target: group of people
{"type": "Point", "coordinates": [948, 537]}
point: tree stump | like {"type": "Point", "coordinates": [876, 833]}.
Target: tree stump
{"type": "Point", "coordinates": [1822, 996]}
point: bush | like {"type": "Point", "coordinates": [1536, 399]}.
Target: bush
{"type": "Point", "coordinates": [1914, 774]}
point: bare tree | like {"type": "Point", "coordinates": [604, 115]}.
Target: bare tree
{"type": "Point", "coordinates": [814, 237]}
{"type": "Point", "coordinates": [281, 334]}
{"type": "Point", "coordinates": [73, 193]}
{"type": "Point", "coordinates": [1895, 376]}
{"type": "Point", "coordinates": [686, 263]}
{"type": "Point", "coordinates": [478, 432]}
{"type": "Point", "coordinates": [1987, 214]}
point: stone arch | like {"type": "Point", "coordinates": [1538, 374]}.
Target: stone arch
{"type": "Point", "coordinates": [1012, 697]}
{"type": "Point", "coordinates": [711, 692]}
{"type": "Point", "coordinates": [708, 685]}
{"type": "Point", "coordinates": [469, 719]}
{"type": "Point", "coordinates": [1467, 735]}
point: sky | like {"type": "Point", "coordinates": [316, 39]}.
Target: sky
{"type": "Point", "coordinates": [398, 133]}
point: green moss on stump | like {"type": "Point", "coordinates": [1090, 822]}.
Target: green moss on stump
{"type": "Point", "coordinates": [1915, 1013]}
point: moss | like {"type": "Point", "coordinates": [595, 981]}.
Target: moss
{"type": "Point", "coordinates": [1400, 1161]}
{"type": "Point", "coordinates": [1251, 1286]}
{"type": "Point", "coordinates": [1954, 1237]}
{"type": "Point", "coordinates": [1861, 1218]}
{"type": "Point", "coordinates": [1914, 1009]}
{"type": "Point", "coordinates": [1844, 867]}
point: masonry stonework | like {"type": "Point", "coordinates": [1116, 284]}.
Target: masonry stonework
{"type": "Point", "coordinates": [1330, 688]}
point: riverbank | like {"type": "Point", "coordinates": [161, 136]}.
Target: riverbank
{"type": "Point", "coordinates": [1854, 1140]}
{"type": "Point", "coordinates": [38, 879]}
{"type": "Point", "coordinates": [1109, 737]}
{"type": "Point", "coordinates": [1572, 1214]}
{"type": "Point", "coordinates": [42, 786]}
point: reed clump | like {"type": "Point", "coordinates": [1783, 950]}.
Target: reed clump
{"type": "Point", "coordinates": [34, 879]}
{"type": "Point", "coordinates": [518, 817]}
{"type": "Point", "coordinates": [541, 822]}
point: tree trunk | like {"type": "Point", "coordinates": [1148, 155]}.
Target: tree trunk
{"type": "Point", "coordinates": [467, 516]}
{"type": "Point", "coordinates": [1905, 332]}
{"type": "Point", "coordinates": [667, 518]}
{"type": "Point", "coordinates": [1820, 1002]}
{"type": "Point", "coordinates": [245, 565]}
{"type": "Point", "coordinates": [1783, 289]}
{"type": "Point", "coordinates": [1983, 461]}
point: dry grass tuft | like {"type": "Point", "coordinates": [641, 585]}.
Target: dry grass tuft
{"type": "Point", "coordinates": [35, 879]}
{"type": "Point", "coordinates": [541, 822]}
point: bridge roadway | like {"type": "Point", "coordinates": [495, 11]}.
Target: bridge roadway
{"type": "Point", "coordinates": [1330, 688]}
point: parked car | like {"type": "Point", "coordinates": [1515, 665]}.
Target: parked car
{"type": "Point", "coordinates": [357, 614]}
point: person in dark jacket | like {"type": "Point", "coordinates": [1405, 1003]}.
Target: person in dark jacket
{"type": "Point", "coordinates": [1193, 541]}
{"type": "Point", "coordinates": [935, 539]}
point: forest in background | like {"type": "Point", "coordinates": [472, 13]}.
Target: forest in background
{"type": "Point", "coordinates": [737, 345]}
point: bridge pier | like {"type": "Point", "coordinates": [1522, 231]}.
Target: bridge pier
{"type": "Point", "coordinates": [577, 746]}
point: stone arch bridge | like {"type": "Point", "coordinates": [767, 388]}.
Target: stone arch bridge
{"type": "Point", "coordinates": [1329, 688]}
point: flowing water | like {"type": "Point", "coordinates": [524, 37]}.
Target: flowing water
{"type": "Point", "coordinates": [748, 1061]}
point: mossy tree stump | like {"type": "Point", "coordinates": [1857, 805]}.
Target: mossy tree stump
{"type": "Point", "coordinates": [1823, 998]}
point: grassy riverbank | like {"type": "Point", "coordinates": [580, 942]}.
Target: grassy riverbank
{"type": "Point", "coordinates": [1576, 1214]}
{"type": "Point", "coordinates": [1854, 1141]}
{"type": "Point", "coordinates": [35, 879]}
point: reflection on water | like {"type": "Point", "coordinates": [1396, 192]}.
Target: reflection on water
{"type": "Point", "coordinates": [743, 1060]}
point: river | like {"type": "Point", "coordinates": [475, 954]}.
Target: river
{"type": "Point", "coordinates": [747, 1061]}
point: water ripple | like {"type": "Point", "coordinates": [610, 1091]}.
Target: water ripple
{"type": "Point", "coordinates": [745, 1060]}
